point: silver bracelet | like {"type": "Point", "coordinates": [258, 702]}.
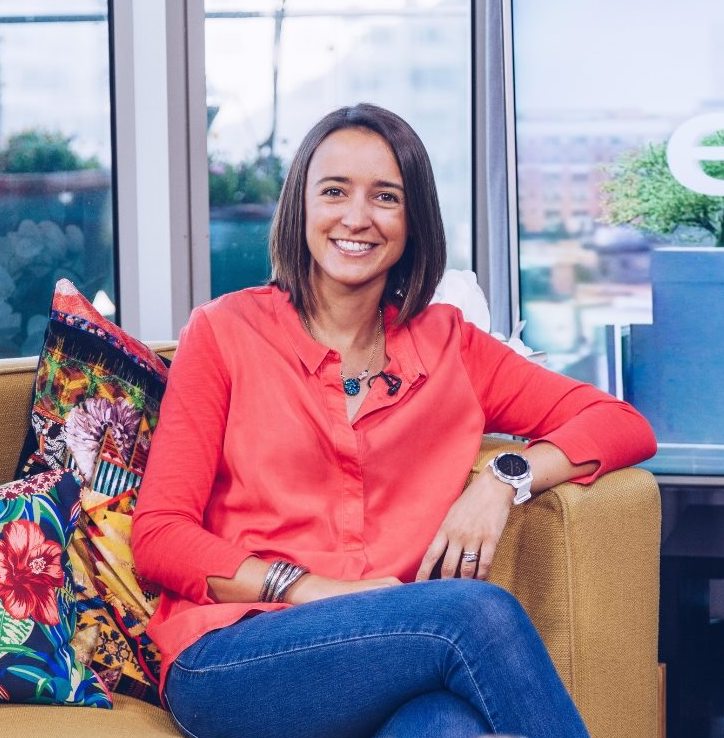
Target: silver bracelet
{"type": "Point", "coordinates": [287, 579]}
{"type": "Point", "coordinates": [280, 576]}
{"type": "Point", "coordinates": [272, 575]}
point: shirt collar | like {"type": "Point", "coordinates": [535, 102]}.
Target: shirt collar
{"type": "Point", "coordinates": [307, 349]}
{"type": "Point", "coordinates": [399, 343]}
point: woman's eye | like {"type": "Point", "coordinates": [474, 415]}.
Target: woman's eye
{"type": "Point", "coordinates": [332, 191]}
{"type": "Point", "coordinates": [388, 197]}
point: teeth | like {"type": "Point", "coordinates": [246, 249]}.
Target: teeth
{"type": "Point", "coordinates": [353, 245]}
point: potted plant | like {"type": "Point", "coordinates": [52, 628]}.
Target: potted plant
{"type": "Point", "coordinates": [673, 372]}
{"type": "Point", "coordinates": [643, 193]}
{"type": "Point", "coordinates": [37, 161]}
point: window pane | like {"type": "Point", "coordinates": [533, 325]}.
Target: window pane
{"type": "Point", "coordinates": [411, 57]}
{"type": "Point", "coordinates": [620, 277]}
{"type": "Point", "coordinates": [55, 163]}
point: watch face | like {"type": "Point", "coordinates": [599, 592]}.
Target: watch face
{"type": "Point", "coordinates": [512, 465]}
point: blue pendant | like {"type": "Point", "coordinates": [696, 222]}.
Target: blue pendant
{"type": "Point", "coordinates": [351, 386]}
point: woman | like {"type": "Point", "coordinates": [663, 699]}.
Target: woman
{"type": "Point", "coordinates": [308, 470]}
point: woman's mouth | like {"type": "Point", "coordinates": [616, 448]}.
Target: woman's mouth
{"type": "Point", "coordinates": [353, 247]}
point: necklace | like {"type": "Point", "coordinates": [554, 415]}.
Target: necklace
{"type": "Point", "coordinates": [351, 385]}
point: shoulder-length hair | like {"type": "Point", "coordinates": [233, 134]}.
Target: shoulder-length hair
{"type": "Point", "coordinates": [412, 281]}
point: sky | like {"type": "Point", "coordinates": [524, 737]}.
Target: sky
{"type": "Point", "coordinates": [656, 56]}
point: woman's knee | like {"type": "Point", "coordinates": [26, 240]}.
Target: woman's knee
{"type": "Point", "coordinates": [470, 602]}
{"type": "Point", "coordinates": [439, 714]}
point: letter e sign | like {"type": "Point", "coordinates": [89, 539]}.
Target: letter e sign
{"type": "Point", "coordinates": [685, 153]}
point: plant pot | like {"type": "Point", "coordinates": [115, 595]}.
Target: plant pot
{"type": "Point", "coordinates": [674, 368]}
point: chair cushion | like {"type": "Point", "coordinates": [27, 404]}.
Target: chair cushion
{"type": "Point", "coordinates": [129, 718]}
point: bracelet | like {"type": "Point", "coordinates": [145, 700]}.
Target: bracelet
{"type": "Point", "coordinates": [280, 576]}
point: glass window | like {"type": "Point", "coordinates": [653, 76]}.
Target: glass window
{"type": "Point", "coordinates": [622, 282]}
{"type": "Point", "coordinates": [272, 75]}
{"type": "Point", "coordinates": [55, 162]}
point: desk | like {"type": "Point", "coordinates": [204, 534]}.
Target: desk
{"type": "Point", "coordinates": [691, 556]}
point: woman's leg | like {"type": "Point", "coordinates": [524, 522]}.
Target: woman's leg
{"type": "Point", "coordinates": [340, 667]}
{"type": "Point", "coordinates": [435, 715]}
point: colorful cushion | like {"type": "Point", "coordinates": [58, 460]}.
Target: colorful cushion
{"type": "Point", "coordinates": [96, 402]}
{"type": "Point", "coordinates": [37, 603]}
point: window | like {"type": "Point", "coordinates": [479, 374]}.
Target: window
{"type": "Point", "coordinates": [626, 319]}
{"type": "Point", "coordinates": [55, 163]}
{"type": "Point", "coordinates": [267, 85]}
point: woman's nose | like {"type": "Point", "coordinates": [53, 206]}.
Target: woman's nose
{"type": "Point", "coordinates": [357, 214]}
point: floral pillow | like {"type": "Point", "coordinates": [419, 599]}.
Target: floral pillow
{"type": "Point", "coordinates": [95, 405]}
{"type": "Point", "coordinates": [37, 602]}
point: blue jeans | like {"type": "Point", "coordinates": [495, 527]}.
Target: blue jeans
{"type": "Point", "coordinates": [454, 657]}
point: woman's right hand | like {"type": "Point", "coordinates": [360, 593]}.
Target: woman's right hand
{"type": "Point", "coordinates": [314, 587]}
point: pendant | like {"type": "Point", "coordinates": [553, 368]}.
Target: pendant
{"type": "Point", "coordinates": [351, 386]}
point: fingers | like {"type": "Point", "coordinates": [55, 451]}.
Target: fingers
{"type": "Point", "coordinates": [469, 561]}
{"type": "Point", "coordinates": [451, 562]}
{"type": "Point", "coordinates": [434, 551]}
{"type": "Point", "coordinates": [487, 550]}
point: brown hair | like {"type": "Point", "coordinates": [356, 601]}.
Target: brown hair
{"type": "Point", "coordinates": [412, 281]}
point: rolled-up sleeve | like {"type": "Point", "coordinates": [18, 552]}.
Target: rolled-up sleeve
{"type": "Point", "coordinates": [525, 399]}
{"type": "Point", "coordinates": [170, 544]}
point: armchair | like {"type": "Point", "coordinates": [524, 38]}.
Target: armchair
{"type": "Point", "coordinates": [583, 561]}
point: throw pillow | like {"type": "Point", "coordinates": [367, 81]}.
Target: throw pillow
{"type": "Point", "coordinates": [96, 402]}
{"type": "Point", "coordinates": [37, 603]}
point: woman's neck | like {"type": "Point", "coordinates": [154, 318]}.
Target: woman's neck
{"type": "Point", "coordinates": [349, 322]}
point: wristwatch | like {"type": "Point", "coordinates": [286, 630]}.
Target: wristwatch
{"type": "Point", "coordinates": [513, 469]}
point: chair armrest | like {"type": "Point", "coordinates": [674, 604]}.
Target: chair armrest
{"type": "Point", "coordinates": [584, 562]}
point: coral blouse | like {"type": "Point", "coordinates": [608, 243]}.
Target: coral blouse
{"type": "Point", "coordinates": [254, 453]}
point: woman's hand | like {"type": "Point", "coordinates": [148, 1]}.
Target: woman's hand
{"type": "Point", "coordinates": [314, 587]}
{"type": "Point", "coordinates": [474, 523]}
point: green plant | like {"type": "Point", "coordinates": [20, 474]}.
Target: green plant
{"type": "Point", "coordinates": [256, 181]}
{"type": "Point", "coordinates": [42, 151]}
{"type": "Point", "coordinates": [223, 183]}
{"type": "Point", "coordinates": [642, 192]}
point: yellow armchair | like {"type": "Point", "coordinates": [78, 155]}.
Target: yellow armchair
{"type": "Point", "coordinates": [582, 560]}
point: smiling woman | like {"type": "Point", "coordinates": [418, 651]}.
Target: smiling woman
{"type": "Point", "coordinates": [294, 540]}
{"type": "Point", "coordinates": [356, 223]}
{"type": "Point", "coordinates": [390, 201]}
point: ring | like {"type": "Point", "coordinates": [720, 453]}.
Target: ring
{"type": "Point", "coordinates": [470, 556]}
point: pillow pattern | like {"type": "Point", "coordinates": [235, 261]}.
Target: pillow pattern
{"type": "Point", "coordinates": [37, 603]}
{"type": "Point", "coordinates": [95, 405]}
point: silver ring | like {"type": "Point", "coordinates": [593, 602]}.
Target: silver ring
{"type": "Point", "coordinates": [470, 556]}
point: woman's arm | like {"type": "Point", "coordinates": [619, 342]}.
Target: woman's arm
{"type": "Point", "coordinates": [577, 431]}
{"type": "Point", "coordinates": [170, 544]}
{"type": "Point", "coordinates": [522, 398]}
{"type": "Point", "coordinates": [477, 518]}
{"type": "Point", "coordinates": [246, 584]}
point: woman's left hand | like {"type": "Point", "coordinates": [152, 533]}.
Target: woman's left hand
{"type": "Point", "coordinates": [473, 524]}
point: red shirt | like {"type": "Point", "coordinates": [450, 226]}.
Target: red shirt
{"type": "Point", "coordinates": [254, 452]}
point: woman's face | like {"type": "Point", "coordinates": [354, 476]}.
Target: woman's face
{"type": "Point", "coordinates": [356, 225]}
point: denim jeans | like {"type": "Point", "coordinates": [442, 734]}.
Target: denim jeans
{"type": "Point", "coordinates": [453, 657]}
